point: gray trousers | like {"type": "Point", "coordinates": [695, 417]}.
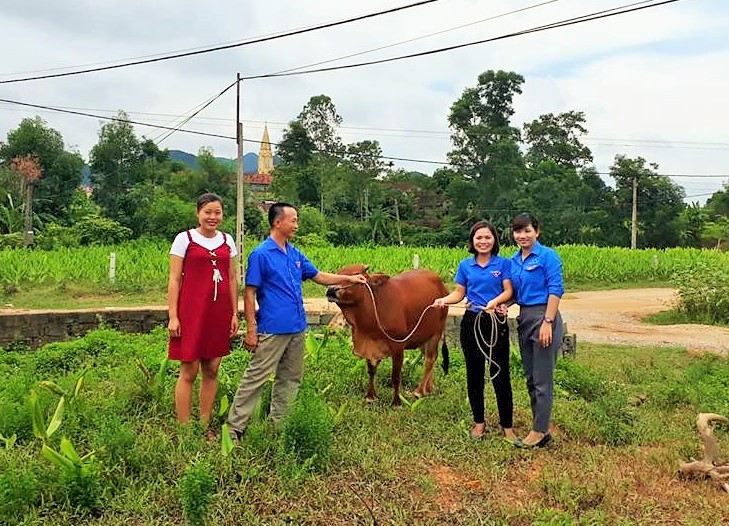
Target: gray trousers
{"type": "Point", "coordinates": [539, 362]}
{"type": "Point", "coordinates": [282, 354]}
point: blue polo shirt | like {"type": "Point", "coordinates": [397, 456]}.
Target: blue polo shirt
{"type": "Point", "coordinates": [277, 276]}
{"type": "Point", "coordinates": [537, 277]}
{"type": "Point", "coordinates": [482, 284]}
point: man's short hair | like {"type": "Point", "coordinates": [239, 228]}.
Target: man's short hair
{"type": "Point", "coordinates": [277, 211]}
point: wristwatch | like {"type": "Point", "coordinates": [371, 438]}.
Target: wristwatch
{"type": "Point", "coordinates": [547, 319]}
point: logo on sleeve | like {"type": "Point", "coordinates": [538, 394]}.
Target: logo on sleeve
{"type": "Point", "coordinates": [298, 264]}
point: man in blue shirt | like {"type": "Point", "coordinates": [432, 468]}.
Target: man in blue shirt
{"type": "Point", "coordinates": [276, 270]}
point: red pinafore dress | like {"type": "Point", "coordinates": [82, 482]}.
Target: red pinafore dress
{"type": "Point", "coordinates": [204, 306]}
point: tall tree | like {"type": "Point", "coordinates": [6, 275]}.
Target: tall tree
{"type": "Point", "coordinates": [61, 168]}
{"type": "Point", "coordinates": [320, 120]}
{"type": "Point", "coordinates": [557, 138]}
{"type": "Point", "coordinates": [486, 144]}
{"type": "Point", "coordinates": [116, 166]}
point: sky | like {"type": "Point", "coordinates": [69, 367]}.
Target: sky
{"type": "Point", "coordinates": [652, 83]}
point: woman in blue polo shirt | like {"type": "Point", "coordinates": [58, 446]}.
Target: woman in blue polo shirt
{"type": "Point", "coordinates": [536, 272]}
{"type": "Point", "coordinates": [484, 280]}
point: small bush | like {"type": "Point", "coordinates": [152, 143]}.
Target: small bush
{"type": "Point", "coordinates": [579, 379]}
{"type": "Point", "coordinates": [703, 291]}
{"type": "Point", "coordinates": [307, 432]}
{"type": "Point", "coordinates": [82, 487]}
{"type": "Point", "coordinates": [196, 492]}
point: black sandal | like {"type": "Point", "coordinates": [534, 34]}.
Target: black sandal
{"type": "Point", "coordinates": [543, 442]}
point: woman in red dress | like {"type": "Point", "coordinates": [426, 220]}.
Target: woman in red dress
{"type": "Point", "coordinates": [203, 304]}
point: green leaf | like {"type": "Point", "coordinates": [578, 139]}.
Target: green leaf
{"type": "Point", "coordinates": [53, 387]}
{"type": "Point", "coordinates": [310, 343]}
{"type": "Point", "coordinates": [56, 458]}
{"type": "Point", "coordinates": [36, 416]}
{"type": "Point", "coordinates": [68, 450]}
{"type": "Point", "coordinates": [57, 418]}
{"type": "Point", "coordinates": [405, 401]}
{"type": "Point", "coordinates": [79, 385]}
{"type": "Point", "coordinates": [326, 389]}
{"type": "Point", "coordinates": [339, 416]}
{"type": "Point", "coordinates": [416, 403]}
{"type": "Point", "coordinates": [224, 405]}
{"type": "Point", "coordinates": [226, 442]}
{"type": "Point", "coordinates": [144, 369]}
{"type": "Point", "coordinates": [162, 372]}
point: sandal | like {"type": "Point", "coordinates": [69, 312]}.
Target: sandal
{"type": "Point", "coordinates": [543, 442]}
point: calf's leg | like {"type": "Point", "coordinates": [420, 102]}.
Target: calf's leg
{"type": "Point", "coordinates": [430, 352]}
{"type": "Point", "coordinates": [371, 370]}
{"type": "Point", "coordinates": [397, 358]}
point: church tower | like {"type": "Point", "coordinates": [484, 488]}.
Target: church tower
{"type": "Point", "coordinates": [265, 155]}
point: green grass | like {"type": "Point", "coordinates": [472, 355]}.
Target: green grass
{"type": "Point", "coordinates": [624, 417]}
{"type": "Point", "coordinates": [679, 317]}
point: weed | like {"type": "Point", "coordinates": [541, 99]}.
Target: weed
{"type": "Point", "coordinates": [195, 489]}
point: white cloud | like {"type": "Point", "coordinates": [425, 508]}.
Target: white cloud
{"type": "Point", "coordinates": [656, 74]}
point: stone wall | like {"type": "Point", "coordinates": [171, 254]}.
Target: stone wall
{"type": "Point", "coordinates": [33, 329]}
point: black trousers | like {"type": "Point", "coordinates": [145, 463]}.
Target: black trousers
{"type": "Point", "coordinates": [476, 365]}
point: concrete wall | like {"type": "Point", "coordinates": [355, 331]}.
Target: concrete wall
{"type": "Point", "coordinates": [34, 329]}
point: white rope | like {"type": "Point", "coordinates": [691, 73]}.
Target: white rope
{"type": "Point", "coordinates": [481, 339]}
{"type": "Point", "coordinates": [379, 324]}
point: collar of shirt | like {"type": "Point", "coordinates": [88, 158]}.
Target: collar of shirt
{"type": "Point", "coordinates": [492, 261]}
{"type": "Point", "coordinates": [536, 250]}
{"type": "Point", "coordinates": [272, 245]}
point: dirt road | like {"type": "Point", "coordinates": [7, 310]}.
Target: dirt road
{"type": "Point", "coordinates": [613, 316]}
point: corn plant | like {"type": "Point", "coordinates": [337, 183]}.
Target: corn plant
{"type": "Point", "coordinates": [79, 475]}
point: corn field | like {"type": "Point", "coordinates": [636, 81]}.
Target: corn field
{"type": "Point", "coordinates": [143, 264]}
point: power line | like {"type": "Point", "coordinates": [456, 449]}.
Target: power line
{"type": "Point", "coordinates": [395, 44]}
{"type": "Point", "coordinates": [627, 8]}
{"type": "Point", "coordinates": [220, 136]}
{"type": "Point", "coordinates": [188, 119]}
{"type": "Point", "coordinates": [222, 47]}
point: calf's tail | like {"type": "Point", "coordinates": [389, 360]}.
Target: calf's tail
{"type": "Point", "coordinates": [446, 357]}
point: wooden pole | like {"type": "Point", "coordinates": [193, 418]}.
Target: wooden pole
{"type": "Point", "coordinates": [240, 201]}
{"type": "Point", "coordinates": [634, 218]}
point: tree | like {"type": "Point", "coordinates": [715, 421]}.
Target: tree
{"type": "Point", "coordinates": [557, 138]}
{"type": "Point", "coordinates": [660, 201]}
{"type": "Point", "coordinates": [116, 166]}
{"type": "Point", "coordinates": [486, 145]}
{"type": "Point", "coordinates": [718, 203]}
{"type": "Point", "coordinates": [30, 170]}
{"type": "Point", "coordinates": [296, 148]}
{"type": "Point", "coordinates": [320, 120]}
{"type": "Point", "coordinates": [61, 169]}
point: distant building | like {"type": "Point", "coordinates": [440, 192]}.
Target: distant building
{"type": "Point", "coordinates": [262, 179]}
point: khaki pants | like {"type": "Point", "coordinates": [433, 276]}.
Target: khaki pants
{"type": "Point", "coordinates": [279, 353]}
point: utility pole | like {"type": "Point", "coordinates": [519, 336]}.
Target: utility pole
{"type": "Point", "coordinates": [634, 219]}
{"type": "Point", "coordinates": [397, 218]}
{"type": "Point", "coordinates": [239, 205]}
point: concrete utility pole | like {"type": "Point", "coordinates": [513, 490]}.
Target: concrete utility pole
{"type": "Point", "coordinates": [634, 219]}
{"type": "Point", "coordinates": [239, 227]}
{"type": "Point", "coordinates": [397, 218]}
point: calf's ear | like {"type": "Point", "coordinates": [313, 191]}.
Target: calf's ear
{"type": "Point", "coordinates": [377, 280]}
{"type": "Point", "coordinates": [366, 268]}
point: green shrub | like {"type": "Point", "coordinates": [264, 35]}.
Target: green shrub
{"type": "Point", "coordinates": [101, 231]}
{"type": "Point", "coordinates": [14, 240]}
{"type": "Point", "coordinates": [196, 492]}
{"type": "Point", "coordinates": [579, 379]}
{"type": "Point", "coordinates": [55, 236]}
{"type": "Point", "coordinates": [82, 487]}
{"type": "Point", "coordinates": [307, 431]}
{"type": "Point", "coordinates": [703, 291]}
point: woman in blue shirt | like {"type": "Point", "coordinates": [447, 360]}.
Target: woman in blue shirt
{"type": "Point", "coordinates": [536, 272]}
{"type": "Point", "coordinates": [484, 280]}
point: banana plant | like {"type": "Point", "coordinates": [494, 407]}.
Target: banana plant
{"type": "Point", "coordinates": [154, 382]}
{"type": "Point", "coordinates": [312, 346]}
{"type": "Point", "coordinates": [40, 428]}
{"type": "Point", "coordinates": [70, 396]}
{"type": "Point", "coordinates": [67, 459]}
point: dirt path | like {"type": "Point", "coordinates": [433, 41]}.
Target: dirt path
{"type": "Point", "coordinates": [613, 316]}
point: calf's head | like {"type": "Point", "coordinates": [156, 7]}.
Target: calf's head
{"type": "Point", "coordinates": [354, 294]}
